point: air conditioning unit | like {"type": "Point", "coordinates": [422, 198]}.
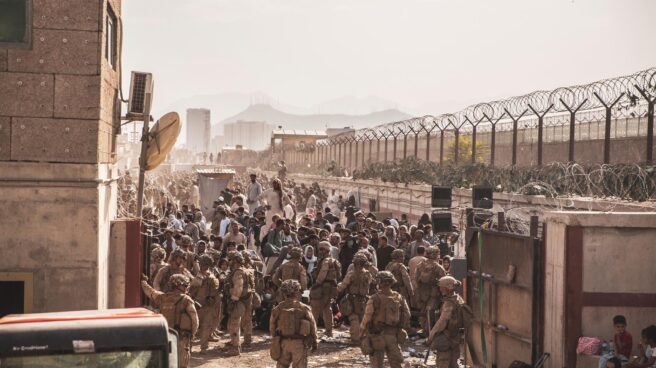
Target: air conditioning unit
{"type": "Point", "coordinates": [141, 89]}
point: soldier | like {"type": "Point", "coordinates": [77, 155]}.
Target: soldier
{"type": "Point", "coordinates": [402, 285]}
{"type": "Point", "coordinates": [247, 320]}
{"type": "Point", "coordinates": [240, 297]}
{"type": "Point", "coordinates": [427, 298]}
{"type": "Point", "coordinates": [292, 270]}
{"type": "Point", "coordinates": [357, 284]}
{"type": "Point", "coordinates": [445, 335]}
{"type": "Point", "coordinates": [179, 310]}
{"type": "Point", "coordinates": [176, 265]}
{"type": "Point", "coordinates": [324, 290]}
{"type": "Point", "coordinates": [205, 291]}
{"type": "Point", "coordinates": [186, 245]}
{"type": "Point", "coordinates": [386, 319]}
{"type": "Point", "coordinates": [292, 327]}
{"type": "Point", "coordinates": [157, 256]}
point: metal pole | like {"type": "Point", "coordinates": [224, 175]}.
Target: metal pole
{"type": "Point", "coordinates": [441, 146]}
{"type": "Point", "coordinates": [145, 138]}
{"type": "Point", "coordinates": [650, 124]}
{"type": "Point", "coordinates": [473, 151]}
{"type": "Point", "coordinates": [427, 146]}
{"type": "Point", "coordinates": [405, 146]}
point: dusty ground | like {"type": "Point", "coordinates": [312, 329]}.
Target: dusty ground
{"type": "Point", "coordinates": [332, 352]}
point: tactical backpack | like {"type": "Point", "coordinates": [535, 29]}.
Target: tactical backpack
{"type": "Point", "coordinates": [390, 313]}
{"type": "Point", "coordinates": [292, 322]}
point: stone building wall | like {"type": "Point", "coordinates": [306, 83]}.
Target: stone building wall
{"type": "Point", "coordinates": [59, 116]}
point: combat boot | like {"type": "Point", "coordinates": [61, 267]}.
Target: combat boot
{"type": "Point", "coordinates": [233, 351]}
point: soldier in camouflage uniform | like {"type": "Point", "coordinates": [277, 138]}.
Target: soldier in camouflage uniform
{"type": "Point", "coordinates": [205, 291]}
{"type": "Point", "coordinates": [247, 321]}
{"type": "Point", "coordinates": [402, 285]}
{"type": "Point", "coordinates": [324, 290]}
{"type": "Point", "coordinates": [157, 256]}
{"type": "Point", "coordinates": [427, 298]}
{"type": "Point", "coordinates": [186, 245]}
{"type": "Point", "coordinates": [357, 284]}
{"type": "Point", "coordinates": [292, 328]}
{"type": "Point", "coordinates": [177, 262]}
{"type": "Point", "coordinates": [386, 319]}
{"type": "Point", "coordinates": [292, 270]}
{"type": "Point", "coordinates": [179, 310]}
{"type": "Point", "coordinates": [448, 325]}
{"type": "Point", "coordinates": [240, 297]}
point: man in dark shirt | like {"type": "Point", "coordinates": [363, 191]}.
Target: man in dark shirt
{"type": "Point", "coordinates": [383, 253]}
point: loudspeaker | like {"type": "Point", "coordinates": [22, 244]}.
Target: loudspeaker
{"type": "Point", "coordinates": [441, 197]}
{"type": "Point", "coordinates": [441, 222]}
{"type": "Point", "coordinates": [482, 196]}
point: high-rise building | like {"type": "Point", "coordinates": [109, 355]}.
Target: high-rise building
{"type": "Point", "coordinates": [255, 135]}
{"type": "Point", "coordinates": [199, 130]}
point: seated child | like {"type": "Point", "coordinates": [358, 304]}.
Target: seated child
{"type": "Point", "coordinates": [647, 349]}
{"type": "Point", "coordinates": [623, 342]}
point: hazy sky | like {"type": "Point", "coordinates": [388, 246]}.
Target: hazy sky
{"type": "Point", "coordinates": [419, 53]}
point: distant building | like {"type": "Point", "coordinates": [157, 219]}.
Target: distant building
{"type": "Point", "coordinates": [254, 135]}
{"type": "Point", "coordinates": [331, 132]}
{"type": "Point", "coordinates": [198, 130]}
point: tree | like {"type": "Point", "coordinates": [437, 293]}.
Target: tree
{"type": "Point", "coordinates": [465, 150]}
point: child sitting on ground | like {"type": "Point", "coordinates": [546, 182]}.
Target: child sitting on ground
{"type": "Point", "coordinates": [623, 342]}
{"type": "Point", "coordinates": [647, 350]}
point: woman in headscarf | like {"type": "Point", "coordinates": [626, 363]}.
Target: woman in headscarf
{"type": "Point", "coordinates": [309, 261]}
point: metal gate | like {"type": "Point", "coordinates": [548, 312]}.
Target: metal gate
{"type": "Point", "coordinates": [503, 288]}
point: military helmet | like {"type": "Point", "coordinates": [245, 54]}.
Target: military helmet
{"type": "Point", "coordinates": [385, 277]}
{"type": "Point", "coordinates": [398, 254]}
{"type": "Point", "coordinates": [295, 252]}
{"type": "Point", "coordinates": [236, 256]}
{"type": "Point", "coordinates": [158, 253]}
{"type": "Point", "coordinates": [206, 260]}
{"type": "Point", "coordinates": [432, 252]}
{"type": "Point", "coordinates": [360, 259]}
{"type": "Point", "coordinates": [246, 255]}
{"type": "Point", "coordinates": [178, 253]}
{"type": "Point", "coordinates": [186, 240]}
{"type": "Point", "coordinates": [178, 280]}
{"type": "Point", "coordinates": [290, 288]}
{"type": "Point", "coordinates": [216, 255]}
{"type": "Point", "coordinates": [448, 282]}
{"type": "Point", "coordinates": [324, 245]}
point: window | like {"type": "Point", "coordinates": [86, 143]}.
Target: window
{"type": "Point", "coordinates": [16, 289]}
{"type": "Point", "coordinates": [110, 44]}
{"type": "Point", "coordinates": [15, 29]}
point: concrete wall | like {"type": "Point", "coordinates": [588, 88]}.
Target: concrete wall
{"type": "Point", "coordinates": [598, 265]}
{"type": "Point", "coordinates": [59, 116]}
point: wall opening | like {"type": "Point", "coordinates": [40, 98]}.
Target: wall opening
{"type": "Point", "coordinates": [16, 289]}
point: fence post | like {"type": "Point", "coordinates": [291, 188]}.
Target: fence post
{"type": "Point", "coordinates": [405, 144]}
{"type": "Point", "coordinates": [540, 129]}
{"type": "Point", "coordinates": [514, 139]}
{"type": "Point", "coordinates": [441, 146]}
{"type": "Point", "coordinates": [416, 141]}
{"type": "Point", "coordinates": [394, 153]}
{"type": "Point", "coordinates": [609, 111]}
{"type": "Point", "coordinates": [493, 133]}
{"type": "Point", "coordinates": [650, 124]}
{"type": "Point", "coordinates": [572, 126]}
{"type": "Point", "coordinates": [386, 148]}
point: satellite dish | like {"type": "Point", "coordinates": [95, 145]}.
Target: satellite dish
{"type": "Point", "coordinates": [162, 139]}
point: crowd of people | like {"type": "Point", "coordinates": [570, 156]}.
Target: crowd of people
{"type": "Point", "coordinates": [296, 262]}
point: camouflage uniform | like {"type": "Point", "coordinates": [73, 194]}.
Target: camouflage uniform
{"type": "Point", "coordinates": [205, 291]}
{"type": "Point", "coordinates": [357, 284]}
{"type": "Point", "coordinates": [240, 297]}
{"type": "Point", "coordinates": [427, 298]}
{"type": "Point", "coordinates": [161, 282]}
{"type": "Point", "coordinates": [157, 256]}
{"type": "Point", "coordinates": [247, 320]}
{"type": "Point", "coordinates": [324, 290]}
{"type": "Point", "coordinates": [292, 270]}
{"type": "Point", "coordinates": [403, 285]}
{"type": "Point", "coordinates": [385, 320]}
{"type": "Point", "coordinates": [449, 323]}
{"type": "Point", "coordinates": [293, 328]}
{"type": "Point", "coordinates": [180, 312]}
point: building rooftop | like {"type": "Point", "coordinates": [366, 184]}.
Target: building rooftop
{"type": "Point", "coordinates": [295, 132]}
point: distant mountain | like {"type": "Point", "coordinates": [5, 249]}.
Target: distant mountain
{"type": "Point", "coordinates": [267, 113]}
{"type": "Point", "coordinates": [355, 105]}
